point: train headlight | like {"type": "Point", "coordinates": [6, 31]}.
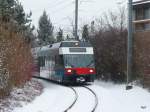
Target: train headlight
{"type": "Point", "coordinates": [69, 71]}
{"type": "Point", "coordinates": [91, 71]}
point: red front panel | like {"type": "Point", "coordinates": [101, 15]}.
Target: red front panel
{"type": "Point", "coordinates": [80, 71]}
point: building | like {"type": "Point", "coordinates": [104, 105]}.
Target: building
{"type": "Point", "coordinates": [141, 23]}
{"type": "Point", "coordinates": [141, 15]}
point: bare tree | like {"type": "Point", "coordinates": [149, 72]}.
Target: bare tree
{"type": "Point", "coordinates": [110, 43]}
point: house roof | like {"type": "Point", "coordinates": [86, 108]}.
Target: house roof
{"type": "Point", "coordinates": [141, 2]}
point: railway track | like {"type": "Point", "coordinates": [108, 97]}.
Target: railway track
{"type": "Point", "coordinates": [75, 95]}
{"type": "Point", "coordinates": [96, 98]}
{"type": "Point", "coordinates": [75, 100]}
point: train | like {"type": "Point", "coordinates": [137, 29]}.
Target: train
{"type": "Point", "coordinates": [66, 62]}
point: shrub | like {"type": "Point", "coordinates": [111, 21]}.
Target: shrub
{"type": "Point", "coordinates": [109, 39]}
{"type": "Point", "coordinates": [15, 59]}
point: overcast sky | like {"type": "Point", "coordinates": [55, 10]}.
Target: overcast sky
{"type": "Point", "coordinates": [61, 12]}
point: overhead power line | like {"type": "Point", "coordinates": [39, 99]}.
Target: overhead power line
{"type": "Point", "coordinates": [59, 9]}
{"type": "Point", "coordinates": [86, 1]}
{"type": "Point", "coordinates": [56, 7]}
{"type": "Point", "coordinates": [59, 3]}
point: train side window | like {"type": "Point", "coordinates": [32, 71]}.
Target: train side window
{"type": "Point", "coordinates": [51, 62]}
{"type": "Point", "coordinates": [42, 61]}
{"type": "Point", "coordinates": [39, 61]}
{"type": "Point", "coordinates": [57, 60]}
{"type": "Point", "coordinates": [61, 62]}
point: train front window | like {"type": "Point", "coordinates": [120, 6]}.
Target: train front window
{"type": "Point", "coordinates": [78, 60]}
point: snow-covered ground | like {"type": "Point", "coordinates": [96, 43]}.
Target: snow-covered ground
{"type": "Point", "coordinates": [21, 96]}
{"type": "Point", "coordinates": [112, 98]}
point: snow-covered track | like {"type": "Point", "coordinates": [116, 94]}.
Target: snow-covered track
{"type": "Point", "coordinates": [75, 93]}
{"type": "Point", "coordinates": [75, 100]}
{"type": "Point", "coordinates": [96, 98]}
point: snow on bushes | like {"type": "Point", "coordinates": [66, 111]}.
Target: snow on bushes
{"type": "Point", "coordinates": [15, 59]}
{"type": "Point", "coordinates": [20, 96]}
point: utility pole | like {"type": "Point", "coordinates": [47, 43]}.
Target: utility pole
{"type": "Point", "coordinates": [76, 20]}
{"type": "Point", "coordinates": [130, 45]}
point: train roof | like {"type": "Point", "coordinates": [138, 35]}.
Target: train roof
{"type": "Point", "coordinates": [56, 46]}
{"type": "Point", "coordinates": [75, 44]}
{"type": "Point", "coordinates": [66, 44]}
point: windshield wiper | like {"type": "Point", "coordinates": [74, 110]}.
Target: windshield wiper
{"type": "Point", "coordinates": [70, 64]}
{"type": "Point", "coordinates": [90, 63]}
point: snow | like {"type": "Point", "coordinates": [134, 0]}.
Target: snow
{"type": "Point", "coordinates": [54, 98]}
{"type": "Point", "coordinates": [21, 96]}
{"type": "Point", "coordinates": [112, 98]}
{"type": "Point", "coordinates": [86, 99]}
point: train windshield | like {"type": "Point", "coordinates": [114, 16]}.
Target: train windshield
{"type": "Point", "coordinates": [78, 60]}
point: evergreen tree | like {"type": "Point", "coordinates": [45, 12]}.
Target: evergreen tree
{"type": "Point", "coordinates": [11, 11]}
{"type": "Point", "coordinates": [92, 29]}
{"type": "Point", "coordinates": [60, 35]}
{"type": "Point", "coordinates": [85, 33]}
{"type": "Point", "coordinates": [19, 14]}
{"type": "Point", "coordinates": [6, 9]}
{"type": "Point", "coordinates": [24, 22]}
{"type": "Point", "coordinates": [45, 31]}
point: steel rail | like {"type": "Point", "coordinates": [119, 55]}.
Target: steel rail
{"type": "Point", "coordinates": [75, 93]}
{"type": "Point", "coordinates": [96, 98]}
{"type": "Point", "coordinates": [75, 100]}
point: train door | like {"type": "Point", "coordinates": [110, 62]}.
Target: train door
{"type": "Point", "coordinates": [59, 67]}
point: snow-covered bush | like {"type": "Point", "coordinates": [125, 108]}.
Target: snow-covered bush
{"type": "Point", "coordinates": [15, 59]}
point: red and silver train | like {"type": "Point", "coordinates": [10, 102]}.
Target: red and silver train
{"type": "Point", "coordinates": [67, 62]}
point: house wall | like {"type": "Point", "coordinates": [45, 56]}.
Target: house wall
{"type": "Point", "coordinates": [142, 55]}
{"type": "Point", "coordinates": [141, 14]}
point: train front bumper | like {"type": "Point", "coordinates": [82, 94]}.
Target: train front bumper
{"type": "Point", "coordinates": [79, 78]}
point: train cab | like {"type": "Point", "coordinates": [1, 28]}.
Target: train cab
{"type": "Point", "coordinates": [67, 62]}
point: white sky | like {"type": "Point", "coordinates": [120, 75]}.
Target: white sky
{"type": "Point", "coordinates": [61, 12]}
